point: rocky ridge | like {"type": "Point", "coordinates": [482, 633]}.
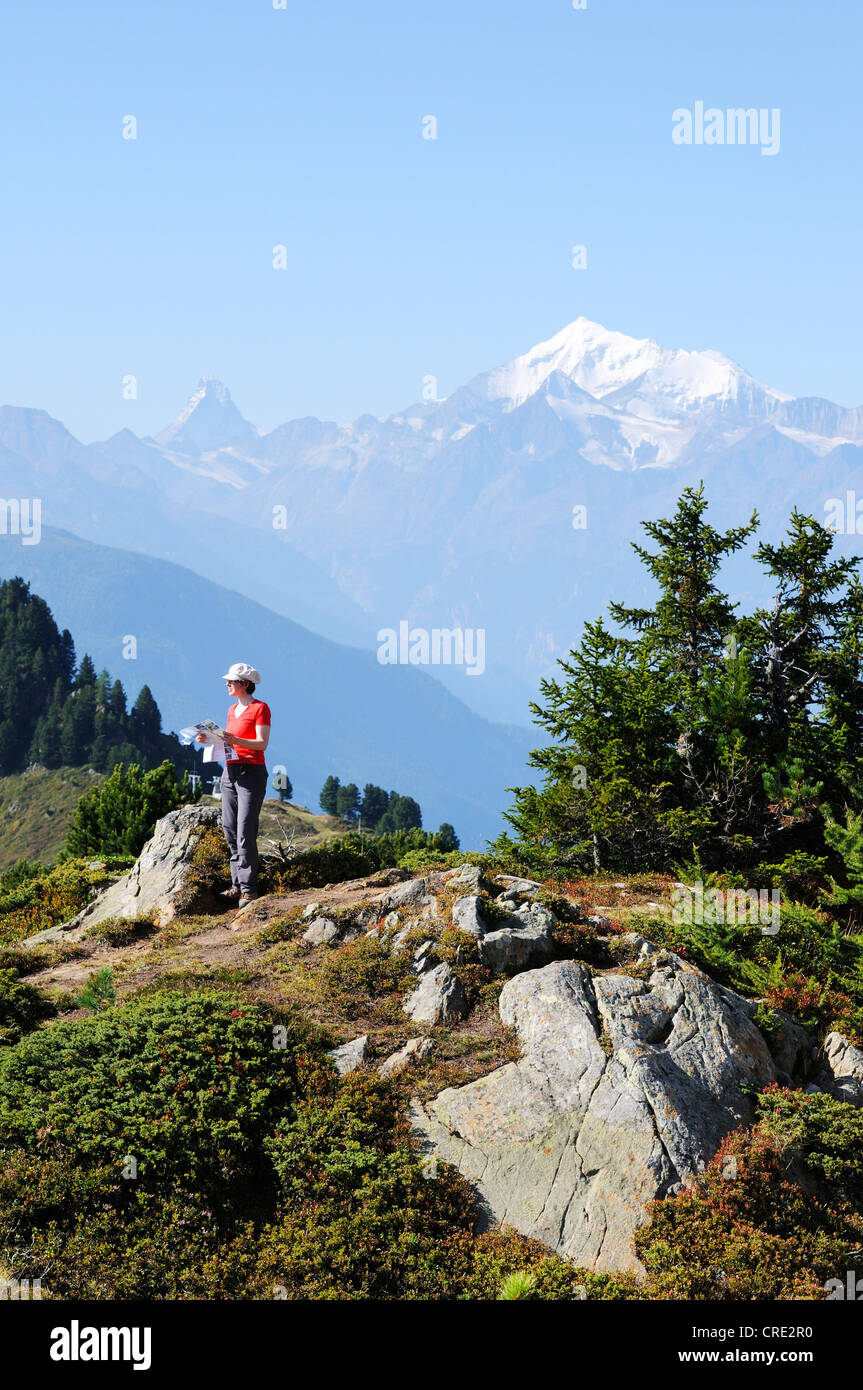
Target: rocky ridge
{"type": "Point", "coordinates": [632, 1065]}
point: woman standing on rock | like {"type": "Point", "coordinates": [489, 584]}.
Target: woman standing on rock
{"type": "Point", "coordinates": [244, 780]}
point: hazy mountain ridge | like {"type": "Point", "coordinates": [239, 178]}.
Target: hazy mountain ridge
{"type": "Point", "coordinates": [456, 511]}
{"type": "Point", "coordinates": [335, 708]}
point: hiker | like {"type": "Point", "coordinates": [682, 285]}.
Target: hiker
{"type": "Point", "coordinates": [244, 780]}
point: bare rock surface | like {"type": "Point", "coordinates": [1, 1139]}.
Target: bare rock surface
{"type": "Point", "coordinates": [350, 1055]}
{"type": "Point", "coordinates": [438, 998]}
{"type": "Point", "coordinates": [626, 1088]}
{"type": "Point", "coordinates": [157, 883]}
{"type": "Point", "coordinates": [523, 943]}
{"type": "Point", "coordinates": [841, 1073]}
{"type": "Point", "coordinates": [320, 931]}
{"type": "Point", "coordinates": [467, 915]}
{"type": "Point", "coordinates": [413, 1051]}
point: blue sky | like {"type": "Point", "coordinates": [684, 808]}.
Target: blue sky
{"type": "Point", "coordinates": [409, 257]}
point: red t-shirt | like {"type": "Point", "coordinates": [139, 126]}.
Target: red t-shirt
{"type": "Point", "coordinates": [243, 723]}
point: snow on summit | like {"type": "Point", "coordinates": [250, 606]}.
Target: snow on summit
{"type": "Point", "coordinates": [209, 421]}
{"type": "Point", "coordinates": [649, 379]}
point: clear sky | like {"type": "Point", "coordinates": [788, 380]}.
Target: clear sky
{"type": "Point", "coordinates": [409, 257]}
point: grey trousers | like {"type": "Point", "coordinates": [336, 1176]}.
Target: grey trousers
{"type": "Point", "coordinates": [244, 786]}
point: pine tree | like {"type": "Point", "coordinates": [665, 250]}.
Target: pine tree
{"type": "Point", "coordinates": [807, 673]}
{"type": "Point", "coordinates": [406, 814]}
{"type": "Point", "coordinates": [117, 701]}
{"type": "Point", "coordinates": [374, 805]}
{"type": "Point", "coordinates": [348, 802]}
{"type": "Point", "coordinates": [611, 777]}
{"type": "Point", "coordinates": [445, 838]}
{"type": "Point", "coordinates": [284, 786]}
{"type": "Point", "coordinates": [329, 799]}
{"type": "Point", "coordinates": [86, 673]}
{"type": "Point", "coordinates": [119, 816]}
{"type": "Point", "coordinates": [692, 619]}
{"type": "Point", "coordinates": [847, 841]}
{"type": "Point", "coordinates": [145, 721]}
{"type": "Point", "coordinates": [34, 656]}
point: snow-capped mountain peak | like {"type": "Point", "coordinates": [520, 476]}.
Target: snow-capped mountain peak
{"type": "Point", "coordinates": [210, 420]}
{"type": "Point", "coordinates": [650, 380]}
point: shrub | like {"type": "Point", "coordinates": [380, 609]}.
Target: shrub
{"type": "Point", "coordinates": [210, 864]}
{"type": "Point", "coordinates": [363, 978]}
{"type": "Point", "coordinates": [121, 931]}
{"type": "Point", "coordinates": [99, 992]}
{"type": "Point", "coordinates": [748, 1228]}
{"type": "Point", "coordinates": [24, 871]}
{"type": "Point", "coordinates": [119, 815]}
{"type": "Point", "coordinates": [352, 856]}
{"type": "Point", "coordinates": [21, 1006]}
{"type": "Point", "coordinates": [188, 1086]}
{"type": "Point", "coordinates": [167, 1149]}
{"type": "Point", "coordinates": [809, 968]}
{"type": "Point", "coordinates": [520, 1284]}
{"type": "Point", "coordinates": [60, 893]}
{"type": "Point", "coordinates": [823, 1134]}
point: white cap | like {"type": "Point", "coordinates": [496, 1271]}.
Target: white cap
{"type": "Point", "coordinates": [242, 671]}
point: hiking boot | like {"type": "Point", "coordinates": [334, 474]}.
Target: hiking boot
{"type": "Point", "coordinates": [232, 893]}
{"type": "Point", "coordinates": [247, 897]}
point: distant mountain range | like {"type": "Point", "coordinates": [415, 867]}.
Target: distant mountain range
{"type": "Point", "coordinates": [335, 708]}
{"type": "Point", "coordinates": [455, 512]}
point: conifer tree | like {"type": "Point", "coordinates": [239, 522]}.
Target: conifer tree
{"type": "Point", "coordinates": [329, 799]}
{"type": "Point", "coordinates": [374, 804]}
{"type": "Point", "coordinates": [119, 816]}
{"type": "Point", "coordinates": [348, 802]}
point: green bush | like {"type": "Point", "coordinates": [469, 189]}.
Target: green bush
{"type": "Point", "coordinates": [810, 968]}
{"type": "Point", "coordinates": [749, 1228]}
{"type": "Point", "coordinates": [99, 992]}
{"type": "Point", "coordinates": [168, 1149]}
{"type": "Point", "coordinates": [352, 856]}
{"type": "Point", "coordinates": [21, 1006]}
{"type": "Point", "coordinates": [121, 931]}
{"type": "Point", "coordinates": [355, 855]}
{"type": "Point", "coordinates": [119, 815]}
{"type": "Point", "coordinates": [821, 1133]}
{"type": "Point", "coordinates": [24, 871]}
{"type": "Point", "coordinates": [43, 900]}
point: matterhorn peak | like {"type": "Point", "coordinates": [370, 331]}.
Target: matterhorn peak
{"type": "Point", "coordinates": [210, 420]}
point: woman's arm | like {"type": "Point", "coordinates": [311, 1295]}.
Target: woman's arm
{"type": "Point", "coordinates": [254, 745]}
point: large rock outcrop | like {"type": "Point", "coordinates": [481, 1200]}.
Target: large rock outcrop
{"type": "Point", "coordinates": [841, 1073]}
{"type": "Point", "coordinates": [157, 885]}
{"type": "Point", "coordinates": [625, 1088]}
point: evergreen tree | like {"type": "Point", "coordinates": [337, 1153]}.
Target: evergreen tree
{"type": "Point", "coordinates": [145, 720]}
{"type": "Point", "coordinates": [329, 800]}
{"type": "Point", "coordinates": [808, 648]}
{"type": "Point", "coordinates": [284, 786]}
{"type": "Point", "coordinates": [374, 805]}
{"type": "Point", "coordinates": [117, 701]}
{"type": "Point", "coordinates": [119, 816]}
{"type": "Point", "coordinates": [445, 838]}
{"type": "Point", "coordinates": [610, 773]}
{"type": "Point", "coordinates": [103, 681]}
{"type": "Point", "coordinates": [85, 675]}
{"type": "Point", "coordinates": [406, 814]}
{"type": "Point", "coordinates": [348, 802]}
{"type": "Point", "coordinates": [34, 656]}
